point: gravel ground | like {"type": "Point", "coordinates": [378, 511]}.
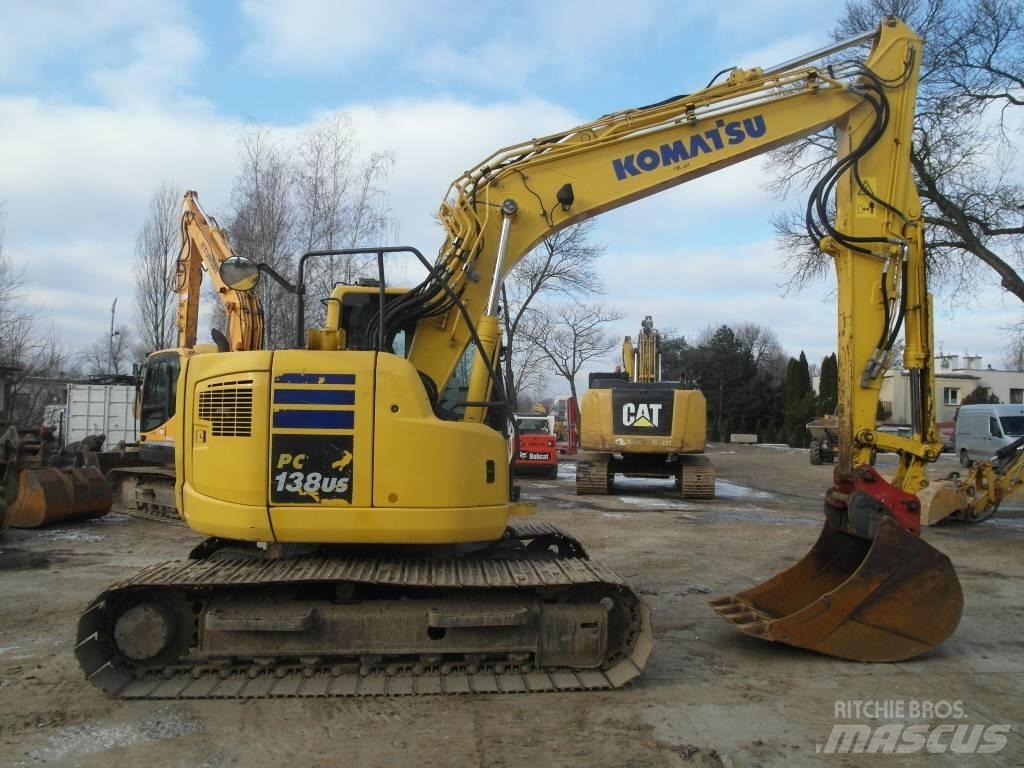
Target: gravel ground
{"type": "Point", "coordinates": [709, 696]}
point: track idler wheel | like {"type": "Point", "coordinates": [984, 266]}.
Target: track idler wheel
{"type": "Point", "coordinates": [47, 496]}
{"type": "Point", "coordinates": [887, 599]}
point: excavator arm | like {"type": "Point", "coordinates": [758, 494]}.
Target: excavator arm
{"type": "Point", "coordinates": [204, 247]}
{"type": "Point", "coordinates": [642, 361]}
{"type": "Point", "coordinates": [498, 211]}
{"type": "Point", "coordinates": [870, 589]}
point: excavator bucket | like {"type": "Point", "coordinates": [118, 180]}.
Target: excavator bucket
{"type": "Point", "coordinates": [47, 496]}
{"type": "Point", "coordinates": [887, 599]}
{"type": "Point", "coordinates": [941, 500]}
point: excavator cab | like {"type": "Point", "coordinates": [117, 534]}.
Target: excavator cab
{"type": "Point", "coordinates": [156, 403]}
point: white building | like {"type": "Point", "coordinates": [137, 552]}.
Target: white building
{"type": "Point", "coordinates": [955, 379]}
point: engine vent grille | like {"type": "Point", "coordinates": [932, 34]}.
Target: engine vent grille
{"type": "Point", "coordinates": [227, 405]}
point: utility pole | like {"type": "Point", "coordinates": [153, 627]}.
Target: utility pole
{"type": "Point", "coordinates": [113, 333]}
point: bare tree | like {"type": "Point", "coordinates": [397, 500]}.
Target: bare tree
{"type": "Point", "coordinates": [963, 154]}
{"type": "Point", "coordinates": [18, 346]}
{"type": "Point", "coordinates": [262, 226]}
{"type": "Point", "coordinates": [110, 355]}
{"type": "Point", "coordinates": [157, 247]}
{"type": "Point", "coordinates": [321, 194]}
{"type": "Point", "coordinates": [564, 265]}
{"type": "Point", "coordinates": [46, 367]}
{"type": "Point", "coordinates": [763, 345]}
{"type": "Point", "coordinates": [570, 335]}
{"type": "Point", "coordinates": [41, 360]}
{"type": "Point", "coordinates": [526, 368]}
{"type": "Point", "coordinates": [1013, 357]}
{"type": "Point", "coordinates": [15, 321]}
{"type": "Point", "coordinates": [338, 203]}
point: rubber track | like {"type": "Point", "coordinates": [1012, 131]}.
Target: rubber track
{"type": "Point", "coordinates": [96, 658]}
{"type": "Point", "coordinates": [697, 481]}
{"type": "Point", "coordinates": [592, 477]}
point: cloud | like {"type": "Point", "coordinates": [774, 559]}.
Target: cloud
{"type": "Point", "coordinates": [447, 43]}
{"type": "Point", "coordinates": [435, 140]}
{"type": "Point", "coordinates": [125, 51]}
{"type": "Point", "coordinates": [77, 180]}
{"type": "Point", "coordinates": [311, 36]}
{"type": "Point", "coordinates": [161, 58]}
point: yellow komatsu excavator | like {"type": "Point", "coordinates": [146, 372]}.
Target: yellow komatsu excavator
{"type": "Point", "coordinates": [364, 535]}
{"type": "Point", "coordinates": [148, 491]}
{"type": "Point", "coordinates": [639, 425]}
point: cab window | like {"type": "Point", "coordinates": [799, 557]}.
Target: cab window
{"type": "Point", "coordinates": [457, 389]}
{"type": "Point", "coordinates": [159, 391]}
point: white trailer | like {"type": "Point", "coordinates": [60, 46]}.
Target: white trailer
{"type": "Point", "coordinates": [95, 409]}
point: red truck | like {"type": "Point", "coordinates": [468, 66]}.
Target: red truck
{"type": "Point", "coordinates": [536, 449]}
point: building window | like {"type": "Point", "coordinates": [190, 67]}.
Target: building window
{"type": "Point", "coordinates": [1017, 396]}
{"type": "Point", "coordinates": [951, 395]}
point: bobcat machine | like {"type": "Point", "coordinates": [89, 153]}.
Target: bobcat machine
{"type": "Point", "coordinates": [360, 544]}
{"type": "Point", "coordinates": [641, 426]}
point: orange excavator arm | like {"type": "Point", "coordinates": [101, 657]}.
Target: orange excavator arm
{"type": "Point", "coordinates": [204, 247]}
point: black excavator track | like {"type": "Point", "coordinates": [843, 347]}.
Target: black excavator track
{"type": "Point", "coordinates": [532, 613]}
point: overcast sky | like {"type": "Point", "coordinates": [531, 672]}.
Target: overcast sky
{"type": "Point", "coordinates": [102, 100]}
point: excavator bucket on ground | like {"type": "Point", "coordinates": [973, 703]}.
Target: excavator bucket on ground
{"type": "Point", "coordinates": [47, 496]}
{"type": "Point", "coordinates": [881, 600]}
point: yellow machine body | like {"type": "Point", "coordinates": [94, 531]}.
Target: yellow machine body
{"type": "Point", "coordinates": [603, 423]}
{"type": "Point", "coordinates": [643, 426]}
{"type": "Point", "coordinates": [333, 449]}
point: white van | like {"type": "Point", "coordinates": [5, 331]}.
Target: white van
{"type": "Point", "coordinates": [981, 430]}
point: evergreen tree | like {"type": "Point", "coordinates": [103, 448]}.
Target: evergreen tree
{"type": "Point", "coordinates": [798, 401]}
{"type": "Point", "coordinates": [980, 396]}
{"type": "Point", "coordinates": [828, 385]}
{"type": "Point", "coordinates": [805, 375]}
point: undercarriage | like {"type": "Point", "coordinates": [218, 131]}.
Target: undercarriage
{"type": "Point", "coordinates": [529, 613]}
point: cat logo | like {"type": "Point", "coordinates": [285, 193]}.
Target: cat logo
{"type": "Point", "coordinates": [641, 414]}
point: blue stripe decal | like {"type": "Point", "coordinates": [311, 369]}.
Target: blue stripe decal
{"type": "Point", "coordinates": [314, 419]}
{"type": "Point", "coordinates": [315, 378]}
{"type": "Point", "coordinates": [314, 396]}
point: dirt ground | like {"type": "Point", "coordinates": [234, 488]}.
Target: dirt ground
{"type": "Point", "coordinates": [709, 696]}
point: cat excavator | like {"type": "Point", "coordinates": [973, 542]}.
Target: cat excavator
{"type": "Point", "coordinates": [639, 425]}
{"type": "Point", "coordinates": [364, 537]}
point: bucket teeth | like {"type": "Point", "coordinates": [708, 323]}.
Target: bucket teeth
{"type": "Point", "coordinates": [887, 599]}
{"type": "Point", "coordinates": [742, 616]}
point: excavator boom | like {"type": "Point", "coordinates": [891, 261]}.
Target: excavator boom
{"type": "Point", "coordinates": [498, 211]}
{"type": "Point", "coordinates": [204, 248]}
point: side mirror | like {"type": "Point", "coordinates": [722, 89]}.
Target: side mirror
{"type": "Point", "coordinates": [239, 273]}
